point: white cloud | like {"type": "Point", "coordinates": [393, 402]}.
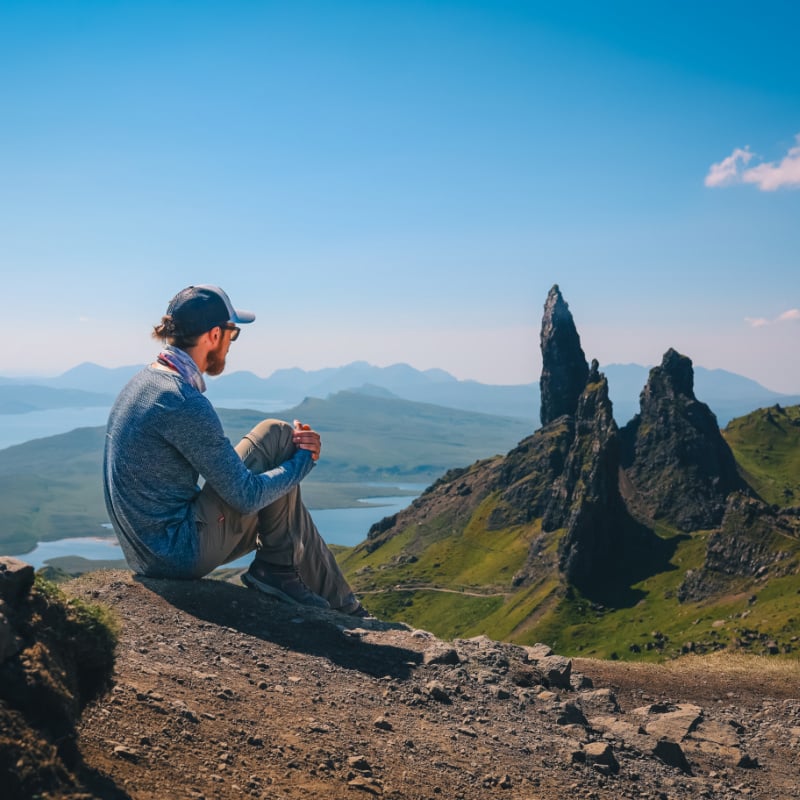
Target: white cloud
{"type": "Point", "coordinates": [786, 316]}
{"type": "Point", "coordinates": [767, 176]}
{"type": "Point", "coordinates": [727, 171]}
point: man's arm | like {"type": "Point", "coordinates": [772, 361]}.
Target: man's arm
{"type": "Point", "coordinates": [197, 433]}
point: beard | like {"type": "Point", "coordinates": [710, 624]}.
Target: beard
{"type": "Point", "coordinates": [215, 360]}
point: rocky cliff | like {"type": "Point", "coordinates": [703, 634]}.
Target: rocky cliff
{"type": "Point", "coordinates": [564, 367]}
{"type": "Point", "coordinates": [679, 466]}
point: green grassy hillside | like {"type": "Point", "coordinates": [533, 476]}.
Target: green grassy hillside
{"type": "Point", "coordinates": [462, 586]}
{"type": "Point", "coordinates": [766, 444]}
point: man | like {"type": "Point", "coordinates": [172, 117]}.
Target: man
{"type": "Point", "coordinates": [163, 434]}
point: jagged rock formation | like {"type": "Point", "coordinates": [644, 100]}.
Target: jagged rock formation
{"type": "Point", "coordinates": [575, 504]}
{"type": "Point", "coordinates": [586, 499]}
{"type": "Point", "coordinates": [680, 468]}
{"type": "Point", "coordinates": [564, 367]}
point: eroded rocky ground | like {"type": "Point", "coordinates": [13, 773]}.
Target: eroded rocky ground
{"type": "Point", "coordinates": [222, 693]}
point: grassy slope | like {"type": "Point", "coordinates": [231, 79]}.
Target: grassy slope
{"type": "Point", "coordinates": [766, 444]}
{"type": "Point", "coordinates": [645, 621]}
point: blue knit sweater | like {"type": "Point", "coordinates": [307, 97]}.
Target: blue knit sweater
{"type": "Point", "coordinates": [162, 435]}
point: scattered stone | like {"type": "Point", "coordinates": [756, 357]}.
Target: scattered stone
{"type": "Point", "coordinates": [672, 754]}
{"type": "Point", "coordinates": [537, 651]}
{"type": "Point", "coordinates": [599, 701]}
{"type": "Point", "coordinates": [556, 671]}
{"type": "Point", "coordinates": [127, 753]}
{"type": "Point", "coordinates": [441, 654]}
{"type": "Point", "coordinates": [673, 723]}
{"type": "Point", "coordinates": [570, 714]}
{"type": "Point", "coordinates": [359, 763]}
{"type": "Point", "coordinates": [437, 692]}
{"type": "Point", "coordinates": [600, 753]}
{"type": "Point", "coordinates": [366, 784]}
{"type": "Point", "coordinates": [16, 578]}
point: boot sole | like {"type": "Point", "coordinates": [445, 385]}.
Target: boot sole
{"type": "Point", "coordinates": [253, 583]}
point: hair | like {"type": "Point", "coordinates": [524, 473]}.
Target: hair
{"type": "Point", "coordinates": [167, 331]}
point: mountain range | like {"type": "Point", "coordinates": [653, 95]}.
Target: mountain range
{"type": "Point", "coordinates": [728, 394]}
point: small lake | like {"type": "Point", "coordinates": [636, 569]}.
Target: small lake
{"type": "Point", "coordinates": [344, 526]}
{"type": "Point", "coordinates": [19, 428]}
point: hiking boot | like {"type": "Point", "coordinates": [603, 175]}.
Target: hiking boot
{"type": "Point", "coordinates": [353, 608]}
{"type": "Point", "coordinates": [360, 611]}
{"type": "Point", "coordinates": [282, 582]}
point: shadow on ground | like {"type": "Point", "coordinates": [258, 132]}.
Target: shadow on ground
{"type": "Point", "coordinates": [327, 634]}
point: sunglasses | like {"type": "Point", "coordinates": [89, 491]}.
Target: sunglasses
{"type": "Point", "coordinates": [234, 331]}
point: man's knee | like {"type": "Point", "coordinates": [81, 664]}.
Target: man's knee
{"type": "Point", "coordinates": [272, 439]}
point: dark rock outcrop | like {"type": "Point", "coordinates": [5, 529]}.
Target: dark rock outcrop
{"type": "Point", "coordinates": [679, 466]}
{"type": "Point", "coordinates": [566, 474]}
{"type": "Point", "coordinates": [748, 544]}
{"type": "Point", "coordinates": [55, 657]}
{"type": "Point", "coordinates": [564, 367]}
{"type": "Point", "coordinates": [586, 497]}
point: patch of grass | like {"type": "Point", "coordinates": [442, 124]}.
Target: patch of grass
{"type": "Point", "coordinates": [444, 613]}
{"type": "Point", "coordinates": [766, 444]}
{"type": "Point", "coordinates": [89, 632]}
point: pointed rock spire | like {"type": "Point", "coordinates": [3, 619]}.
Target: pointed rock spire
{"type": "Point", "coordinates": [680, 467]}
{"type": "Point", "coordinates": [585, 497]}
{"type": "Point", "coordinates": [564, 367]}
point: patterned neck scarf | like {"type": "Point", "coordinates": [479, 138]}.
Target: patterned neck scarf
{"type": "Point", "coordinates": [183, 364]}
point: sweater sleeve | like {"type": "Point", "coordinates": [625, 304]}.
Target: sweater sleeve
{"type": "Point", "coordinates": [196, 432]}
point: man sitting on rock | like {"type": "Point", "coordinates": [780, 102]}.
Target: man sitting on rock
{"type": "Point", "coordinates": [163, 434]}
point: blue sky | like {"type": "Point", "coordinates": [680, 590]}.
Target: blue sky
{"type": "Point", "coordinates": [404, 181]}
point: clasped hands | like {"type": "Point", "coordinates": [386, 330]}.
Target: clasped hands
{"type": "Point", "coordinates": [306, 439]}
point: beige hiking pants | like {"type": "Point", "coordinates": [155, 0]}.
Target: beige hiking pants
{"type": "Point", "coordinates": [281, 533]}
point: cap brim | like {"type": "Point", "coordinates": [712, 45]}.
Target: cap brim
{"type": "Point", "coordinates": [242, 317]}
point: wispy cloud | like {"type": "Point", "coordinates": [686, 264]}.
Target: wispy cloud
{"type": "Point", "coordinates": [727, 171]}
{"type": "Point", "coordinates": [767, 176]}
{"type": "Point", "coordinates": [786, 316]}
